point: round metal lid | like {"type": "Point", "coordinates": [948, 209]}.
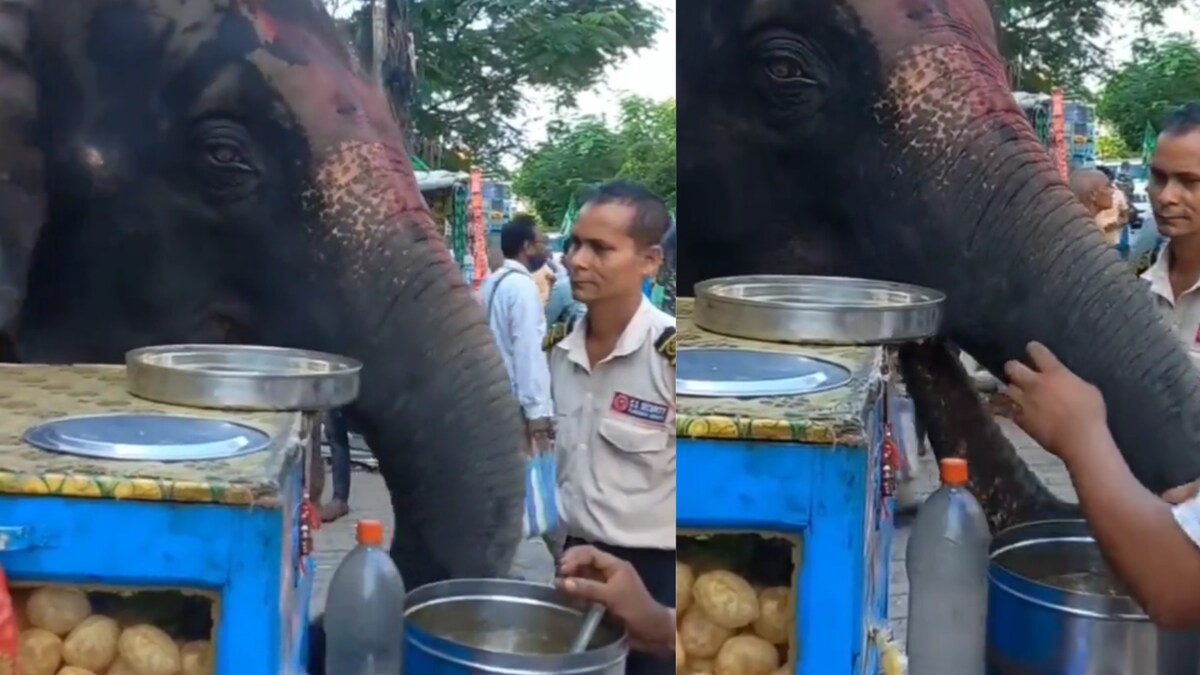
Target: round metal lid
{"type": "Point", "coordinates": [147, 438]}
{"type": "Point", "coordinates": [739, 373]}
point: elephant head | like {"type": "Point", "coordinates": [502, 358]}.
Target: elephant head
{"type": "Point", "coordinates": [879, 138]}
{"type": "Point", "coordinates": [222, 171]}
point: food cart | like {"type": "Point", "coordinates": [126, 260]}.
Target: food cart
{"type": "Point", "coordinates": [785, 476]}
{"type": "Point", "coordinates": [135, 530]}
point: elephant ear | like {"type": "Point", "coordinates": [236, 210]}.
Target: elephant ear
{"type": "Point", "coordinates": [22, 165]}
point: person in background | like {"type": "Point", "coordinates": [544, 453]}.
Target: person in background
{"type": "Point", "coordinates": [1174, 193]}
{"type": "Point", "coordinates": [591, 575]}
{"type": "Point", "coordinates": [613, 377]}
{"type": "Point", "coordinates": [562, 310]}
{"type": "Point", "coordinates": [514, 313]}
{"type": "Point", "coordinates": [1124, 180]}
{"type": "Point", "coordinates": [1096, 193]}
{"type": "Point", "coordinates": [1152, 543]}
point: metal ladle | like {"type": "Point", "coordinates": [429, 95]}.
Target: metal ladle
{"type": "Point", "coordinates": [591, 621]}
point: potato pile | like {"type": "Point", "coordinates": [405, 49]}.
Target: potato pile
{"type": "Point", "coordinates": [728, 627]}
{"type": "Point", "coordinates": [61, 635]}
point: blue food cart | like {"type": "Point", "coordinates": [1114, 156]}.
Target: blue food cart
{"type": "Point", "coordinates": [785, 477]}
{"type": "Point", "coordinates": [208, 550]}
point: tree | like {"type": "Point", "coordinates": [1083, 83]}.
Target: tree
{"type": "Point", "coordinates": [1111, 147]}
{"type": "Point", "coordinates": [477, 58]}
{"type": "Point", "coordinates": [580, 153]}
{"type": "Point", "coordinates": [1049, 43]}
{"type": "Point", "coordinates": [1159, 78]}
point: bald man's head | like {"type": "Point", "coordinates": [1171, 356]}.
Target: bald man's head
{"type": "Point", "coordinates": [1093, 188]}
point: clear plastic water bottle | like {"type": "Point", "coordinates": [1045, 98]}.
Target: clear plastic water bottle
{"type": "Point", "coordinates": [947, 563]}
{"type": "Point", "coordinates": [364, 610]}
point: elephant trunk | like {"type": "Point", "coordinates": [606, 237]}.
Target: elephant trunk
{"type": "Point", "coordinates": [1035, 267]}
{"type": "Point", "coordinates": [435, 405]}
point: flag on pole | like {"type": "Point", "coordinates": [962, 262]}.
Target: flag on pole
{"type": "Point", "coordinates": [568, 219]}
{"type": "Point", "coordinates": [1149, 142]}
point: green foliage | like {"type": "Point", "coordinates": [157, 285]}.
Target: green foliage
{"type": "Point", "coordinates": [1050, 43]}
{"type": "Point", "coordinates": [580, 153]}
{"type": "Point", "coordinates": [1110, 147]}
{"type": "Point", "coordinates": [1159, 78]}
{"type": "Point", "coordinates": [475, 58]}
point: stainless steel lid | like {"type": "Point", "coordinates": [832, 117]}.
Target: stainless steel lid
{"type": "Point", "coordinates": [241, 377]}
{"type": "Point", "coordinates": [817, 310]}
{"type": "Point", "coordinates": [738, 373]}
{"type": "Point", "coordinates": [147, 438]}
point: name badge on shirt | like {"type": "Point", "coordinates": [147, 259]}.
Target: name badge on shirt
{"type": "Point", "coordinates": [636, 407]}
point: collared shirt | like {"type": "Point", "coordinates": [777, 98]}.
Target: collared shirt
{"type": "Point", "coordinates": [616, 436]}
{"type": "Point", "coordinates": [1181, 313]}
{"type": "Point", "coordinates": [514, 313]}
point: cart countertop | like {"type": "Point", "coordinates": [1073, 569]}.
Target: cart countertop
{"type": "Point", "coordinates": [834, 417]}
{"type": "Point", "coordinates": [32, 394]}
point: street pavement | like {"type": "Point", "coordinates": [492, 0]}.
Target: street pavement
{"type": "Point", "coordinates": [369, 499]}
{"type": "Point", "coordinates": [1046, 466]}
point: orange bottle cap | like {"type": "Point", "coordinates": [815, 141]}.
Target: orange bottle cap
{"type": "Point", "coordinates": [369, 533]}
{"type": "Point", "coordinates": [954, 471]}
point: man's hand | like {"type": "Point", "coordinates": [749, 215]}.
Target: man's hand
{"type": "Point", "coordinates": [1053, 404]}
{"type": "Point", "coordinates": [541, 435]}
{"type": "Point", "coordinates": [595, 576]}
{"type": "Point", "coordinates": [1181, 494]}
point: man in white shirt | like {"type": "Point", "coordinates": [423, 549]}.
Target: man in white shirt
{"type": "Point", "coordinates": [1174, 193]}
{"type": "Point", "coordinates": [514, 313]}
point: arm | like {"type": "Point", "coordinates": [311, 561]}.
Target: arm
{"type": "Point", "coordinates": [1139, 534]}
{"type": "Point", "coordinates": [531, 373]}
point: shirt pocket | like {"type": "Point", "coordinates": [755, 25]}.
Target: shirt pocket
{"type": "Point", "coordinates": [634, 457]}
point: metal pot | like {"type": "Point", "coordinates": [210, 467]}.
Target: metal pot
{"type": "Point", "coordinates": [1054, 609]}
{"type": "Point", "coordinates": [465, 626]}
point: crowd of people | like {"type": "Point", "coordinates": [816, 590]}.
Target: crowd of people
{"type": "Point", "coordinates": [1067, 416]}
{"type": "Point", "coordinates": [591, 361]}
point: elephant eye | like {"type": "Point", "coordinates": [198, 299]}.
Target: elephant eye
{"type": "Point", "coordinates": [226, 154]}
{"type": "Point", "coordinates": [786, 69]}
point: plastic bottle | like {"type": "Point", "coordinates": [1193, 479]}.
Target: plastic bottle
{"type": "Point", "coordinates": [947, 563]}
{"type": "Point", "coordinates": [364, 610]}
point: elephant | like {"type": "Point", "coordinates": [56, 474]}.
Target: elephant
{"type": "Point", "coordinates": [224, 171]}
{"type": "Point", "coordinates": [880, 139]}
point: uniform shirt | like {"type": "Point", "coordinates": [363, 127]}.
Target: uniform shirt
{"type": "Point", "coordinates": [616, 435]}
{"type": "Point", "coordinates": [514, 313]}
{"type": "Point", "coordinates": [1182, 313]}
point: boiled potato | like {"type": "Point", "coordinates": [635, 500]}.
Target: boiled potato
{"type": "Point", "coordinates": [684, 578]}
{"type": "Point", "coordinates": [75, 670]}
{"type": "Point", "coordinates": [39, 652]}
{"type": "Point", "coordinates": [774, 622]}
{"type": "Point", "coordinates": [680, 655]}
{"type": "Point", "coordinates": [92, 644]}
{"type": "Point", "coordinates": [701, 638]}
{"type": "Point", "coordinates": [785, 669]}
{"type": "Point", "coordinates": [727, 599]}
{"type": "Point", "coordinates": [149, 651]}
{"type": "Point", "coordinates": [119, 667]}
{"type": "Point", "coordinates": [698, 666]}
{"type": "Point", "coordinates": [57, 609]}
{"type": "Point", "coordinates": [196, 658]}
{"type": "Point", "coordinates": [747, 655]}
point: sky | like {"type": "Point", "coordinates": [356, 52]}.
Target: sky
{"type": "Point", "coordinates": [1123, 29]}
{"type": "Point", "coordinates": [649, 73]}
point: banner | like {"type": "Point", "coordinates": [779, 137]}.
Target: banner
{"type": "Point", "coordinates": [1058, 143]}
{"type": "Point", "coordinates": [479, 253]}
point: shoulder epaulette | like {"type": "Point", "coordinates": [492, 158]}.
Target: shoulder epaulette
{"type": "Point", "coordinates": [556, 333]}
{"type": "Point", "coordinates": [665, 344]}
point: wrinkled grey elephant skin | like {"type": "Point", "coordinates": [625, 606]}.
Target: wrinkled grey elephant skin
{"type": "Point", "coordinates": [221, 171]}
{"type": "Point", "coordinates": [878, 138]}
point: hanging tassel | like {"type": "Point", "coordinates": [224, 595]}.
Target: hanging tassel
{"type": "Point", "coordinates": [892, 660]}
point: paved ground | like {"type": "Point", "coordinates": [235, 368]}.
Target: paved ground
{"type": "Point", "coordinates": [1047, 467]}
{"type": "Point", "coordinates": [369, 500]}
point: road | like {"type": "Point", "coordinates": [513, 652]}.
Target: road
{"type": "Point", "coordinates": [369, 500]}
{"type": "Point", "coordinates": [1046, 466]}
